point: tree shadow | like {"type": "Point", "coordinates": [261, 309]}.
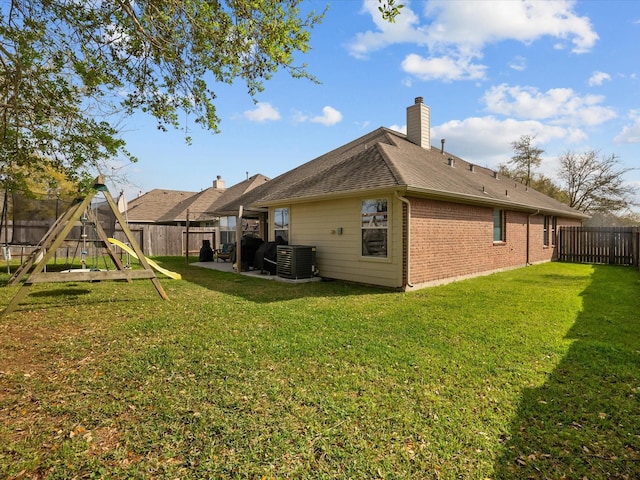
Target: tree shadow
{"type": "Point", "coordinates": [584, 422]}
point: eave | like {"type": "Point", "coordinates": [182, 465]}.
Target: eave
{"type": "Point", "coordinates": [455, 197]}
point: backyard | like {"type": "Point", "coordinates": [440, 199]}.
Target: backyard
{"type": "Point", "coordinates": [530, 373]}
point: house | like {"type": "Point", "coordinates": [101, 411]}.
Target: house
{"type": "Point", "coordinates": [389, 209]}
{"type": "Point", "coordinates": [167, 222]}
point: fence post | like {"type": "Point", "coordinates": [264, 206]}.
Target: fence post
{"type": "Point", "coordinates": [635, 246]}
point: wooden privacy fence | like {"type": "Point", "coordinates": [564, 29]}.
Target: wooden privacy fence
{"type": "Point", "coordinates": [603, 245]}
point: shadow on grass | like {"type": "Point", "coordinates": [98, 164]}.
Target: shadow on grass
{"type": "Point", "coordinates": [584, 422]}
{"type": "Point", "coordinates": [262, 290]}
{"type": "Point", "coordinates": [56, 292]}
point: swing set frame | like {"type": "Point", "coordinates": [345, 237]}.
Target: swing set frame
{"type": "Point", "coordinates": [59, 231]}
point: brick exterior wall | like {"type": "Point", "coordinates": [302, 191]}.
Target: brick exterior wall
{"type": "Point", "coordinates": [451, 241]}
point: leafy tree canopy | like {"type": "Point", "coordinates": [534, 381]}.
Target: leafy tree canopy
{"type": "Point", "coordinates": [389, 10]}
{"type": "Point", "coordinates": [63, 62]}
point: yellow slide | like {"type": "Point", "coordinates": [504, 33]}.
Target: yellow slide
{"type": "Point", "coordinates": [129, 250]}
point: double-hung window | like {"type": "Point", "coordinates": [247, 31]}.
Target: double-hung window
{"type": "Point", "coordinates": [227, 229]}
{"type": "Point", "coordinates": [281, 223]}
{"type": "Point", "coordinates": [374, 223]}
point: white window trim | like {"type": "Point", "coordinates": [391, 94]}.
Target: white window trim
{"type": "Point", "coordinates": [373, 258]}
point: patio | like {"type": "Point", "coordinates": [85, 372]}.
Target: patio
{"type": "Point", "coordinates": [228, 267]}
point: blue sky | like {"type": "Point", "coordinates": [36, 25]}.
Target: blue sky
{"type": "Point", "coordinates": [567, 72]}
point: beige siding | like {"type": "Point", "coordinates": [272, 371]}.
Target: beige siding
{"type": "Point", "coordinates": [338, 255]}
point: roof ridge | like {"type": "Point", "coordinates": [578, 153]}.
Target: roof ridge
{"type": "Point", "coordinates": [398, 177]}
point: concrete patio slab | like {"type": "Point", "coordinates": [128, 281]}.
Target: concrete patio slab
{"type": "Point", "coordinates": [228, 267]}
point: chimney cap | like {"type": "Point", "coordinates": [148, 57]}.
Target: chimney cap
{"type": "Point", "coordinates": [418, 100]}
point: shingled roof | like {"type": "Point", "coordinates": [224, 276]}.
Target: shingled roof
{"type": "Point", "coordinates": [197, 206]}
{"type": "Point", "coordinates": [171, 206]}
{"type": "Point", "coordinates": [386, 160]}
{"type": "Point", "coordinates": [154, 205]}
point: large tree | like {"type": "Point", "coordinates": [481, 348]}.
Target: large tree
{"type": "Point", "coordinates": [526, 157]}
{"type": "Point", "coordinates": [67, 65]}
{"type": "Point", "coordinates": [585, 181]}
{"type": "Point", "coordinates": [595, 183]}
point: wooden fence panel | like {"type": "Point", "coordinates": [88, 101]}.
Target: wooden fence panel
{"type": "Point", "coordinates": [600, 245]}
{"type": "Point", "coordinates": [169, 240]}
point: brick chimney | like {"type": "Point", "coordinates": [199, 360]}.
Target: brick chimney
{"type": "Point", "coordinates": [218, 183]}
{"type": "Point", "coordinates": [419, 124]}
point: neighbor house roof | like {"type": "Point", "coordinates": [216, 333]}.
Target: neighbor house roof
{"type": "Point", "coordinates": [154, 205]}
{"type": "Point", "coordinates": [170, 206]}
{"type": "Point", "coordinates": [196, 206]}
{"type": "Point", "coordinates": [386, 160]}
{"type": "Point", "coordinates": [232, 194]}
{"type": "Point", "coordinates": [239, 190]}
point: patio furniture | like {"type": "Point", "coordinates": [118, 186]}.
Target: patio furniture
{"type": "Point", "coordinates": [225, 252]}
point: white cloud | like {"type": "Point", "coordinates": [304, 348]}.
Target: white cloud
{"type": "Point", "coordinates": [262, 113]}
{"type": "Point", "coordinates": [518, 63]}
{"type": "Point", "coordinates": [444, 68]}
{"type": "Point", "coordinates": [558, 105]}
{"type": "Point", "coordinates": [470, 140]}
{"type": "Point", "coordinates": [630, 133]}
{"type": "Point", "coordinates": [330, 116]}
{"type": "Point", "coordinates": [598, 78]}
{"type": "Point", "coordinates": [399, 128]}
{"type": "Point", "coordinates": [404, 30]}
{"type": "Point", "coordinates": [456, 33]}
{"type": "Point", "coordinates": [471, 24]}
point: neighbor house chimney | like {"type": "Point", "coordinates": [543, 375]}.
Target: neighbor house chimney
{"type": "Point", "coordinates": [218, 183]}
{"type": "Point", "coordinates": [418, 124]}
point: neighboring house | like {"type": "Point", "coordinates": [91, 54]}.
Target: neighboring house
{"type": "Point", "coordinates": [150, 219]}
{"type": "Point", "coordinates": [155, 207]}
{"type": "Point", "coordinates": [388, 209]}
{"type": "Point", "coordinates": [159, 218]}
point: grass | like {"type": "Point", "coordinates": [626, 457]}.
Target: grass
{"type": "Point", "coordinates": [531, 373]}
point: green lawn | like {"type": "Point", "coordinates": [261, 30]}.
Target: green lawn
{"type": "Point", "coordinates": [532, 373]}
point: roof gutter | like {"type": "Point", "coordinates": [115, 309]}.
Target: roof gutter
{"type": "Point", "coordinates": [408, 204]}
{"type": "Point", "coordinates": [483, 200]}
{"type": "Point", "coordinates": [436, 194]}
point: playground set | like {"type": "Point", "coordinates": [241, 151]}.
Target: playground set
{"type": "Point", "coordinates": [80, 211]}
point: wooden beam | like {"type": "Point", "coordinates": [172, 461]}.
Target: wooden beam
{"type": "Point", "coordinates": [58, 234]}
{"type": "Point", "coordinates": [134, 245]}
{"type": "Point", "coordinates": [89, 276]}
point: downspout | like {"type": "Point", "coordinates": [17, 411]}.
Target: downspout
{"type": "Point", "coordinates": [408, 204]}
{"type": "Point", "coordinates": [528, 234]}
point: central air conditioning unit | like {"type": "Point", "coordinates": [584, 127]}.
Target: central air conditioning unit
{"type": "Point", "coordinates": [296, 261]}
